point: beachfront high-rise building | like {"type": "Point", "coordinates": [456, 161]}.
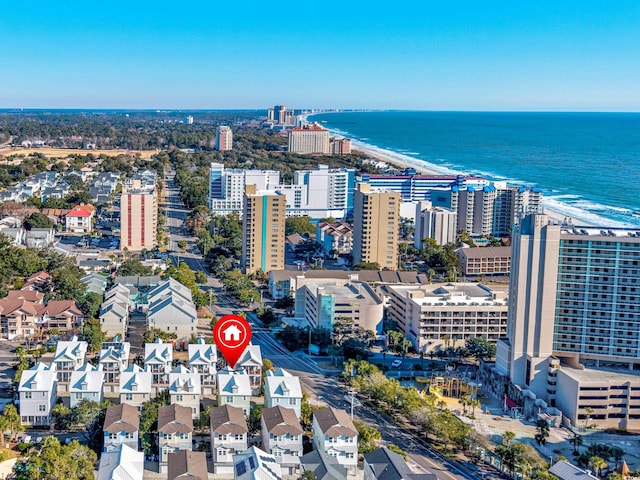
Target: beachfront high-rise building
{"type": "Point", "coordinates": [329, 192]}
{"type": "Point", "coordinates": [263, 228]}
{"type": "Point", "coordinates": [138, 217]}
{"type": "Point", "coordinates": [227, 186]}
{"type": "Point", "coordinates": [434, 222]}
{"type": "Point", "coordinates": [224, 138]}
{"type": "Point", "coordinates": [188, 120]}
{"type": "Point", "coordinates": [340, 146]}
{"type": "Point", "coordinates": [574, 296]}
{"type": "Point", "coordinates": [310, 138]}
{"type": "Point", "coordinates": [375, 226]}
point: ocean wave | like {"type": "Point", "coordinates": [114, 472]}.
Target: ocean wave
{"type": "Point", "coordinates": [585, 213]}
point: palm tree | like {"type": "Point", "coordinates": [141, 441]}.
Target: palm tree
{"type": "Point", "coordinates": [542, 431]}
{"type": "Point", "coordinates": [474, 403]}
{"type": "Point", "coordinates": [507, 437]}
{"type": "Point", "coordinates": [589, 411]}
{"type": "Point", "coordinates": [465, 401]}
{"type": "Point", "coordinates": [441, 404]}
{"type": "Point", "coordinates": [597, 464]}
{"type": "Point", "coordinates": [577, 443]}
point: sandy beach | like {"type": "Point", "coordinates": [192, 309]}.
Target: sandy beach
{"type": "Point", "coordinates": [403, 161]}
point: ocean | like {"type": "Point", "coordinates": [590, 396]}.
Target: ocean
{"type": "Point", "coordinates": [587, 164]}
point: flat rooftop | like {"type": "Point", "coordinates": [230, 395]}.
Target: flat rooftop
{"type": "Point", "coordinates": [600, 375]}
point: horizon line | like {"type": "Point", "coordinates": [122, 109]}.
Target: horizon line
{"type": "Point", "coordinates": [313, 111]}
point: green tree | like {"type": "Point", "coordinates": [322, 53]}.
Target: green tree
{"type": "Point", "coordinates": [306, 412]}
{"type": "Point", "coordinates": [54, 461]}
{"type": "Point", "coordinates": [299, 225]}
{"type": "Point", "coordinates": [308, 475]}
{"type": "Point", "coordinates": [255, 419]}
{"type": "Point", "coordinates": [10, 421]}
{"type": "Point", "coordinates": [396, 449]}
{"type": "Point", "coordinates": [93, 334]}
{"type": "Point", "coordinates": [37, 220]}
{"type": "Point", "coordinates": [367, 437]}
{"type": "Point", "coordinates": [507, 437]}
{"type": "Point", "coordinates": [480, 348]}
{"type": "Point", "coordinates": [133, 267]}
{"type": "Point", "coordinates": [90, 304]}
{"type": "Point", "coordinates": [367, 266]}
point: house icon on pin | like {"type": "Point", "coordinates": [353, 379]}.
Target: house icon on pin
{"type": "Point", "coordinates": [232, 334]}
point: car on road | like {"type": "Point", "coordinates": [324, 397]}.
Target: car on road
{"type": "Point", "coordinates": [397, 363]}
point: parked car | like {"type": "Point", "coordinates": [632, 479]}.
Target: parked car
{"type": "Point", "coordinates": [397, 363]}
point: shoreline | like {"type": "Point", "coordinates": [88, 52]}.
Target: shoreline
{"type": "Point", "coordinates": [395, 160]}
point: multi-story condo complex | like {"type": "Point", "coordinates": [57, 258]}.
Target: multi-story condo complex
{"type": "Point", "coordinates": [263, 227]}
{"type": "Point", "coordinates": [322, 302]}
{"type": "Point", "coordinates": [434, 222]}
{"type": "Point", "coordinates": [375, 226]}
{"type": "Point", "coordinates": [227, 186]}
{"type": "Point", "coordinates": [328, 193]}
{"type": "Point", "coordinates": [413, 187]}
{"type": "Point", "coordinates": [573, 322]}
{"type": "Point", "coordinates": [311, 138]}
{"type": "Point", "coordinates": [482, 207]}
{"type": "Point", "coordinates": [485, 261]}
{"type": "Point", "coordinates": [138, 217]}
{"type": "Point", "coordinates": [321, 193]}
{"type": "Point", "coordinates": [432, 315]}
{"type": "Point", "coordinates": [224, 138]}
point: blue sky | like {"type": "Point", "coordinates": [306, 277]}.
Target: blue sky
{"type": "Point", "coordinates": [445, 55]}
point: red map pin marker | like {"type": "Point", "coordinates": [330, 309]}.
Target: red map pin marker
{"type": "Point", "coordinates": [232, 334]}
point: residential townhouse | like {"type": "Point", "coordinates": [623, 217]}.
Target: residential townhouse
{"type": "Point", "coordinates": [203, 359]}
{"type": "Point", "coordinates": [69, 357]}
{"type": "Point", "coordinates": [175, 430]}
{"type": "Point", "coordinates": [121, 427]}
{"type": "Point", "coordinates": [39, 237]}
{"type": "Point", "coordinates": [282, 437]}
{"type": "Point", "coordinates": [171, 309]}
{"type": "Point", "coordinates": [185, 465]}
{"type": "Point", "coordinates": [282, 389]}
{"type": "Point", "coordinates": [335, 434]}
{"type": "Point", "coordinates": [114, 314]}
{"type": "Point", "coordinates": [86, 384]}
{"type": "Point", "coordinates": [114, 360]}
{"type": "Point", "coordinates": [122, 463]}
{"type": "Point", "coordinates": [158, 359]}
{"type": "Point", "coordinates": [135, 386]}
{"type": "Point", "coordinates": [234, 388]}
{"type": "Point", "coordinates": [95, 283]}
{"type": "Point", "coordinates": [229, 435]}
{"type": "Point", "coordinates": [184, 389]}
{"type": "Point", "coordinates": [38, 394]}
{"type": "Point", "coordinates": [251, 363]}
{"type": "Point", "coordinates": [255, 464]}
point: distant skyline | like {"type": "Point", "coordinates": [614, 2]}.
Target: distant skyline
{"type": "Point", "coordinates": [506, 55]}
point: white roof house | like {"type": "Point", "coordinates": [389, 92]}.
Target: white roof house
{"type": "Point", "coordinates": [69, 356]}
{"type": "Point", "coordinates": [38, 395]}
{"type": "Point", "coordinates": [251, 362]}
{"type": "Point", "coordinates": [234, 388]}
{"type": "Point", "coordinates": [202, 359]}
{"type": "Point", "coordinates": [86, 384]}
{"type": "Point", "coordinates": [281, 389]}
{"type": "Point", "coordinates": [135, 386]}
{"type": "Point", "coordinates": [172, 312]}
{"type": "Point", "coordinates": [123, 463]}
{"type": "Point", "coordinates": [168, 287]}
{"type": "Point", "coordinates": [184, 389]}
